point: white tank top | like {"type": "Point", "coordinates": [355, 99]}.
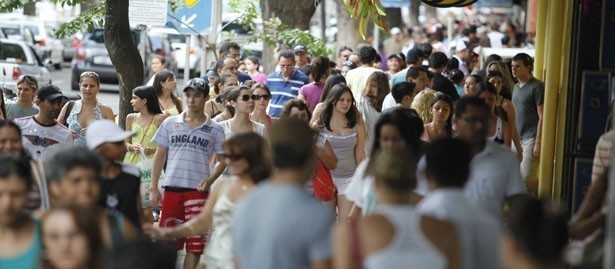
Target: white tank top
{"type": "Point", "coordinates": [409, 248]}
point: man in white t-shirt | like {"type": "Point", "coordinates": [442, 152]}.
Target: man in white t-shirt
{"type": "Point", "coordinates": [42, 132]}
{"type": "Point", "coordinates": [448, 167]}
{"type": "Point", "coordinates": [357, 78]}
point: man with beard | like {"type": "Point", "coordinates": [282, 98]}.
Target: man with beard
{"type": "Point", "coordinates": [41, 131]}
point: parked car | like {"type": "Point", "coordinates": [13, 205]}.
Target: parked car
{"type": "Point", "coordinates": [16, 59]}
{"type": "Point", "coordinates": [178, 48]}
{"type": "Point", "coordinates": [92, 55]}
{"type": "Point", "coordinates": [46, 46]}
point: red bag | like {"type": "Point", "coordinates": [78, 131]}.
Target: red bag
{"type": "Point", "coordinates": [324, 189]}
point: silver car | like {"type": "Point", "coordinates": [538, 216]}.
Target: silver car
{"type": "Point", "coordinates": [16, 59]}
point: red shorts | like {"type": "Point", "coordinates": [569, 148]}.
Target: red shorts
{"type": "Point", "coordinates": [179, 207]}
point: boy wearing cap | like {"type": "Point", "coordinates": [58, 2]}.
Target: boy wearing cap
{"type": "Point", "coordinates": [41, 131]}
{"type": "Point", "coordinates": [302, 59]}
{"type": "Point", "coordinates": [120, 183]}
{"type": "Point", "coordinates": [414, 57]}
{"type": "Point", "coordinates": [187, 142]}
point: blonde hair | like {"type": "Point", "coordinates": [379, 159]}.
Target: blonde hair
{"type": "Point", "coordinates": [508, 82]}
{"type": "Point", "coordinates": [422, 104]}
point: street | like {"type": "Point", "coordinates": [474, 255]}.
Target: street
{"type": "Point", "coordinates": [108, 92]}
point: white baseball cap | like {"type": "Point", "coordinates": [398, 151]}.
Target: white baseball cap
{"type": "Point", "coordinates": [104, 131]}
{"type": "Point", "coordinates": [395, 31]}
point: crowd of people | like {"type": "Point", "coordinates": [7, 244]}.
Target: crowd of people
{"type": "Point", "coordinates": [320, 164]}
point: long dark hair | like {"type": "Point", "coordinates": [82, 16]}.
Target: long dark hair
{"type": "Point", "coordinates": [162, 76]}
{"type": "Point", "coordinates": [329, 83]}
{"type": "Point", "coordinates": [255, 150]}
{"type": "Point", "coordinates": [149, 94]}
{"type": "Point", "coordinates": [86, 222]}
{"type": "Point", "coordinates": [318, 68]}
{"type": "Point", "coordinates": [449, 121]}
{"type": "Point", "coordinates": [334, 96]}
{"type": "Point", "coordinates": [542, 232]}
{"type": "Point", "coordinates": [410, 128]}
{"type": "Point", "coordinates": [408, 124]}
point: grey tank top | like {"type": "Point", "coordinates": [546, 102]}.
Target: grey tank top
{"type": "Point", "coordinates": [343, 146]}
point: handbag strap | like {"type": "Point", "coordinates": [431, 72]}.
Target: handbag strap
{"type": "Point", "coordinates": [356, 244]}
{"type": "Point", "coordinates": [143, 136]}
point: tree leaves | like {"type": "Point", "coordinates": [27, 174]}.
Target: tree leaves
{"type": "Point", "coordinates": [274, 31]}
{"type": "Point", "coordinates": [364, 10]}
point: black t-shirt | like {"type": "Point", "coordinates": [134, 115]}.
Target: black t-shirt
{"type": "Point", "coordinates": [120, 193]}
{"type": "Point", "coordinates": [442, 84]}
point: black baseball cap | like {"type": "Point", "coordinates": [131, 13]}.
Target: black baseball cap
{"type": "Point", "coordinates": [198, 85]}
{"type": "Point", "coordinates": [414, 55]}
{"type": "Point", "coordinates": [49, 92]}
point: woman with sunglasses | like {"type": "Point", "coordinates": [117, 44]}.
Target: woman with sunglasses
{"type": "Point", "coordinates": [248, 158]}
{"type": "Point", "coordinates": [242, 101]}
{"type": "Point", "coordinates": [27, 86]}
{"type": "Point", "coordinates": [263, 95]}
{"type": "Point", "coordinates": [86, 110]}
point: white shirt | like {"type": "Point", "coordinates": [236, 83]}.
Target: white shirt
{"type": "Point", "coordinates": [409, 248]}
{"type": "Point", "coordinates": [357, 78]}
{"type": "Point", "coordinates": [38, 138]}
{"type": "Point", "coordinates": [462, 66]}
{"type": "Point", "coordinates": [257, 127]}
{"type": "Point", "coordinates": [478, 230]}
{"type": "Point", "coordinates": [494, 177]}
{"type": "Point", "coordinates": [495, 39]}
{"type": "Point", "coordinates": [388, 102]}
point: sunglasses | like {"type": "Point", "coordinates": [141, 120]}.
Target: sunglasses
{"type": "Point", "coordinates": [257, 97]}
{"type": "Point", "coordinates": [254, 97]}
{"type": "Point", "coordinates": [232, 157]}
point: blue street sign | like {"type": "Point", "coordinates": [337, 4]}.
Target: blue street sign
{"type": "Point", "coordinates": [395, 3]}
{"type": "Point", "coordinates": [193, 15]}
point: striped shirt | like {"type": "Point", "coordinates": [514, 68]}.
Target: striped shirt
{"type": "Point", "coordinates": [189, 150]}
{"type": "Point", "coordinates": [283, 90]}
{"type": "Point", "coordinates": [602, 157]}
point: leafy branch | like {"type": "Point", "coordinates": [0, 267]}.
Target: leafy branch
{"type": "Point", "coordinates": [88, 19]}
{"type": "Point", "coordinates": [274, 30]}
{"type": "Point", "coordinates": [363, 10]}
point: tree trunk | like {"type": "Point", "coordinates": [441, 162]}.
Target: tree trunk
{"type": "Point", "coordinates": [347, 30]}
{"type": "Point", "coordinates": [393, 18]}
{"type": "Point", "coordinates": [294, 13]}
{"type": "Point", "coordinates": [414, 13]}
{"type": "Point", "coordinates": [123, 53]}
{"type": "Point", "coordinates": [29, 8]}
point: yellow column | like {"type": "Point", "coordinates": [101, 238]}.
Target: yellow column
{"type": "Point", "coordinates": [539, 41]}
{"type": "Point", "coordinates": [563, 98]}
{"type": "Point", "coordinates": [552, 78]}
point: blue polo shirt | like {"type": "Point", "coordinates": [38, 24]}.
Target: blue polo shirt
{"type": "Point", "coordinates": [283, 90]}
